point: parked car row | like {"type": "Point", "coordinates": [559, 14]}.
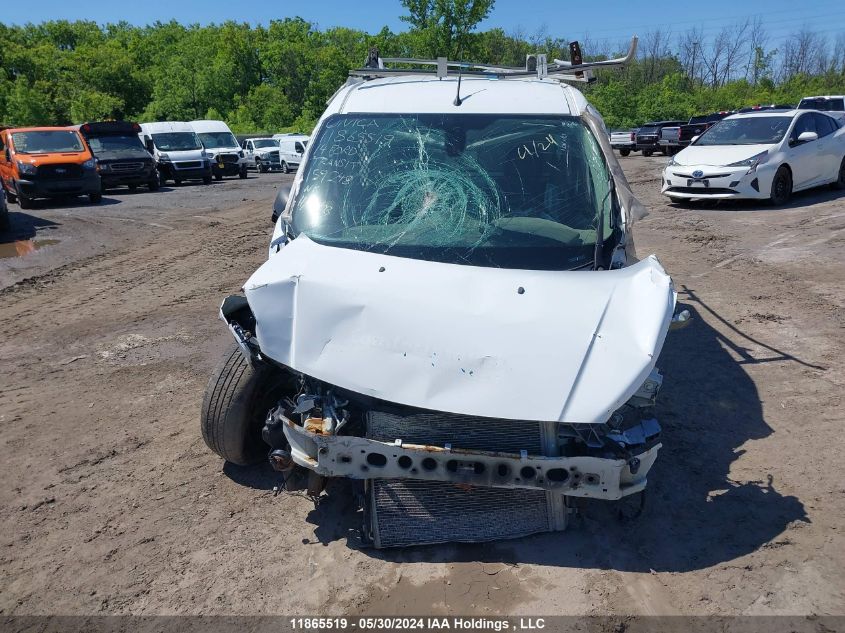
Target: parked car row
{"type": "Point", "coordinates": [89, 158]}
{"type": "Point", "coordinates": [763, 154]}
{"type": "Point", "coordinates": [670, 137]}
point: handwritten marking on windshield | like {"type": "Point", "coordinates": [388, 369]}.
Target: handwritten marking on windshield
{"type": "Point", "coordinates": [536, 147]}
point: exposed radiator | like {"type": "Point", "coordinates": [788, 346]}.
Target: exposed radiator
{"type": "Point", "coordinates": [406, 512]}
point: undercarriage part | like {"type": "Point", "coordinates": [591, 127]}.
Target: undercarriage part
{"type": "Point", "coordinates": [406, 512]}
{"type": "Point", "coordinates": [461, 431]}
{"type": "Point", "coordinates": [604, 477]}
{"type": "Point", "coordinates": [281, 461]}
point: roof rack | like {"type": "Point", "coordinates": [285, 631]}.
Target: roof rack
{"type": "Point", "coordinates": [536, 65]}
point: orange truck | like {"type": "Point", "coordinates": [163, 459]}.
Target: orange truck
{"type": "Point", "coordinates": [46, 162]}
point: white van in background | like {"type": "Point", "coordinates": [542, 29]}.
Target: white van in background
{"type": "Point", "coordinates": [221, 148]}
{"type": "Point", "coordinates": [177, 151]}
{"type": "Point", "coordinates": [291, 149]}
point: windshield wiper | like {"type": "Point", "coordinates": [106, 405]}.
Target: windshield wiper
{"type": "Point", "coordinates": [600, 227]}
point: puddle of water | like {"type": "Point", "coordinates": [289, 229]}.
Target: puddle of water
{"type": "Point", "coordinates": [20, 248]}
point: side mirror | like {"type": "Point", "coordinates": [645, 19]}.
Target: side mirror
{"type": "Point", "coordinates": [806, 137]}
{"type": "Point", "coordinates": [281, 201]}
{"type": "Point", "coordinates": [694, 139]}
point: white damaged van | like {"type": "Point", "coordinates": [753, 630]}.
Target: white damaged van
{"type": "Point", "coordinates": [452, 315]}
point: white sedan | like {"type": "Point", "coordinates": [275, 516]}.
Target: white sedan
{"type": "Point", "coordinates": [760, 155]}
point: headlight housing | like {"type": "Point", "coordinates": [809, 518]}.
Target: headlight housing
{"type": "Point", "coordinates": [101, 167]}
{"type": "Point", "coordinates": [26, 169]}
{"type": "Point", "coordinates": [240, 153]}
{"type": "Point", "coordinates": [89, 164]}
{"type": "Point", "coordinates": [672, 162]}
{"type": "Point", "coordinates": [164, 158]}
{"type": "Point", "coordinates": [752, 163]}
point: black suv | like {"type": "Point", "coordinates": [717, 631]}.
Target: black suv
{"type": "Point", "coordinates": [649, 134]}
{"type": "Point", "coordinates": [121, 157]}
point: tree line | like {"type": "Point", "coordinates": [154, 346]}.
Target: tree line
{"type": "Point", "coordinates": [278, 77]}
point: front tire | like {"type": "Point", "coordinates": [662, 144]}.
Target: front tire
{"type": "Point", "coordinates": [781, 186]}
{"type": "Point", "coordinates": [234, 408]}
{"type": "Point", "coordinates": [624, 152]}
{"type": "Point", "coordinates": [154, 184]}
{"type": "Point", "coordinates": [242, 174]}
{"type": "Point", "coordinates": [647, 152]}
{"type": "Point", "coordinates": [25, 202]}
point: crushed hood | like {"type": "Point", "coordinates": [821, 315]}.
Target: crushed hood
{"type": "Point", "coordinates": [572, 346]}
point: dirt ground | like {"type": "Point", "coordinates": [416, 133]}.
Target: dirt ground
{"type": "Point", "coordinates": [111, 503]}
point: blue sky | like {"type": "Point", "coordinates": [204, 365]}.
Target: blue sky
{"type": "Point", "coordinates": [611, 20]}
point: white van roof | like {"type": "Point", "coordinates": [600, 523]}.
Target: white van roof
{"type": "Point", "coordinates": [418, 95]}
{"type": "Point", "coordinates": [161, 127]}
{"type": "Point", "coordinates": [291, 137]}
{"type": "Point", "coordinates": [207, 125]}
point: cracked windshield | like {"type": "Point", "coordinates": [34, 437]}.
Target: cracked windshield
{"type": "Point", "coordinates": [485, 190]}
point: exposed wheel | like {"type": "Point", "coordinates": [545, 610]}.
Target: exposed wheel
{"type": "Point", "coordinates": [263, 168]}
{"type": "Point", "coordinates": [24, 202]}
{"type": "Point", "coordinates": [242, 173]}
{"type": "Point", "coordinates": [781, 186]}
{"type": "Point", "coordinates": [154, 184]}
{"type": "Point", "coordinates": [647, 152]}
{"type": "Point", "coordinates": [624, 152]}
{"type": "Point", "coordinates": [237, 399]}
{"type": "Point", "coordinates": [285, 168]}
{"type": "Point", "coordinates": [840, 183]}
{"type": "Point", "coordinates": [95, 198]}
{"type": "Point", "coordinates": [10, 196]}
{"type": "Point", "coordinates": [218, 176]}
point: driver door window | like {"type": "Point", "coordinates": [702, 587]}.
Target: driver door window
{"type": "Point", "coordinates": [805, 123]}
{"type": "Point", "coordinates": [824, 124]}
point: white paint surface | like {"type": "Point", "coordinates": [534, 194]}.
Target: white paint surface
{"type": "Point", "coordinates": [573, 347]}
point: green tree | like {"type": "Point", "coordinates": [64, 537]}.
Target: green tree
{"type": "Point", "coordinates": [28, 104]}
{"type": "Point", "coordinates": [443, 27]}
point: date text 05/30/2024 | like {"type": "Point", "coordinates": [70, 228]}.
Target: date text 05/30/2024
{"type": "Point", "coordinates": [414, 623]}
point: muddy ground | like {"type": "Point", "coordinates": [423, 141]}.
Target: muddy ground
{"type": "Point", "coordinates": [111, 503]}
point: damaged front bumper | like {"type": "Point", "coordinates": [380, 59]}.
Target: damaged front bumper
{"type": "Point", "coordinates": [363, 458]}
{"type": "Point", "coordinates": [617, 463]}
